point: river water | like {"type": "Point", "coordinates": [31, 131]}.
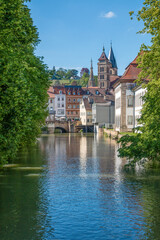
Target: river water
{"type": "Point", "coordinates": [72, 187]}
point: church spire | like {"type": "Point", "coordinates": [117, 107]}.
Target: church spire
{"type": "Point", "coordinates": [91, 82]}
{"type": "Point", "coordinates": [111, 58]}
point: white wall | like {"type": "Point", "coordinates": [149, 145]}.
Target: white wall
{"type": "Point", "coordinates": [117, 107]}
{"type": "Point", "coordinates": [60, 105]}
{"type": "Point", "coordinates": [138, 103]}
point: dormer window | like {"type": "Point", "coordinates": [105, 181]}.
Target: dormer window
{"type": "Point", "coordinates": [97, 92]}
{"type": "Point", "coordinates": [69, 93]}
{"type": "Point", "coordinates": [60, 92]}
{"type": "Point", "coordinates": [74, 93]}
{"type": "Point", "coordinates": [87, 92]}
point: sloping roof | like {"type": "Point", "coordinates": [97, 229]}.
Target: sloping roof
{"type": "Point", "coordinates": [113, 80]}
{"type": "Point", "coordinates": [112, 59]}
{"type": "Point", "coordinates": [130, 74]}
{"type": "Point", "coordinates": [103, 57]}
{"type": "Point", "coordinates": [50, 92]}
{"type": "Point", "coordinates": [98, 92]}
{"type": "Point", "coordinates": [88, 106]}
{"type": "Point", "coordinates": [56, 89]}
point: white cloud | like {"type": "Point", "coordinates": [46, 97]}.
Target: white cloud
{"type": "Point", "coordinates": [109, 15]}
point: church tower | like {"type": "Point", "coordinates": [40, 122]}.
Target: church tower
{"type": "Point", "coordinates": [91, 82]}
{"type": "Point", "coordinates": [104, 67]}
{"type": "Point", "coordinates": [111, 58]}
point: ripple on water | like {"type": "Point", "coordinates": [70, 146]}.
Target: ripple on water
{"type": "Point", "coordinates": [29, 168]}
{"type": "Point", "coordinates": [33, 175]}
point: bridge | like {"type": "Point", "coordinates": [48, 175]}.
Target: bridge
{"type": "Point", "coordinates": [52, 125]}
{"type": "Point", "coordinates": [65, 126]}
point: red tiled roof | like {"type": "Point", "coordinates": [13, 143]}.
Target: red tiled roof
{"type": "Point", "coordinates": [50, 94]}
{"type": "Point", "coordinates": [130, 74]}
{"type": "Point", "coordinates": [56, 89]}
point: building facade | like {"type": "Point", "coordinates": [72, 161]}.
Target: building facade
{"type": "Point", "coordinates": [103, 114]}
{"type": "Point", "coordinates": [86, 112]}
{"type": "Point", "coordinates": [128, 99]}
{"type": "Point", "coordinates": [74, 95]}
{"type": "Point", "coordinates": [60, 101]}
{"type": "Point", "coordinates": [107, 67]}
{"type": "Point", "coordinates": [139, 92]}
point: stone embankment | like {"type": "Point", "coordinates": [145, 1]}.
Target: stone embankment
{"type": "Point", "coordinates": [113, 134]}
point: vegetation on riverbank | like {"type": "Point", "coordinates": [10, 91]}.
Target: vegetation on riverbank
{"type": "Point", "coordinates": [24, 80]}
{"type": "Point", "coordinates": [145, 144]}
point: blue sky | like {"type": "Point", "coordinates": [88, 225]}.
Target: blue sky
{"type": "Point", "coordinates": [73, 31]}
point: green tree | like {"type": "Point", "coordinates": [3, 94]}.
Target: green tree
{"type": "Point", "coordinates": [71, 73]}
{"type": "Point", "coordinates": [60, 73]}
{"type": "Point", "coordinates": [23, 80]}
{"type": "Point", "coordinates": [84, 80]}
{"type": "Point", "coordinates": [146, 143]}
{"type": "Point", "coordinates": [52, 73]}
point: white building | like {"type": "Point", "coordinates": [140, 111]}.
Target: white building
{"type": "Point", "coordinates": [51, 101]}
{"type": "Point", "coordinates": [86, 112]}
{"type": "Point", "coordinates": [128, 99]}
{"type": "Point", "coordinates": [103, 114]}
{"type": "Point", "coordinates": [139, 92]}
{"type": "Point", "coordinates": [60, 101]}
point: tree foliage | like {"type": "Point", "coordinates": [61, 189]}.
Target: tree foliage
{"type": "Point", "coordinates": [23, 79]}
{"type": "Point", "coordinates": [62, 73]}
{"type": "Point", "coordinates": [146, 143]}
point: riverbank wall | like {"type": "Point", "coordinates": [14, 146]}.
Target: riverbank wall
{"type": "Point", "coordinates": [112, 134]}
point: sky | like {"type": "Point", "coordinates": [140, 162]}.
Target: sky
{"type": "Point", "coordinates": [74, 31]}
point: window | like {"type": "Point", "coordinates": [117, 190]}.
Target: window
{"type": "Point", "coordinates": [130, 120]}
{"type": "Point", "coordinates": [69, 106]}
{"type": "Point", "coordinates": [62, 105]}
{"type": "Point", "coordinates": [58, 105]}
{"type": "Point", "coordinates": [69, 93]}
{"type": "Point", "coordinates": [62, 98]}
{"type": "Point", "coordinates": [78, 100]}
{"type": "Point", "coordinates": [58, 99]}
{"type": "Point", "coordinates": [97, 92]}
{"type": "Point", "coordinates": [130, 101]}
{"type": "Point", "coordinates": [68, 113]}
{"type": "Point", "coordinates": [107, 70]}
{"type": "Point", "coordinates": [74, 93]}
{"type": "Point", "coordinates": [72, 113]}
{"type": "Point", "coordinates": [78, 93]}
{"type": "Point", "coordinates": [74, 106]}
{"type": "Point", "coordinates": [60, 111]}
{"type": "Point", "coordinates": [69, 100]}
{"type": "Point", "coordinates": [77, 106]}
{"type": "Point", "coordinates": [74, 100]}
{"type": "Point", "coordinates": [51, 100]}
{"type": "Point", "coordinates": [60, 92]}
{"type": "Point", "coordinates": [87, 120]}
{"type": "Point", "coordinates": [101, 76]}
{"type": "Point", "coordinates": [101, 69]}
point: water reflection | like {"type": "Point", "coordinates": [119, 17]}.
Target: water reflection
{"type": "Point", "coordinates": [76, 190]}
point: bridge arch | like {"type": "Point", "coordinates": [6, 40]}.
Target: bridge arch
{"type": "Point", "coordinates": [63, 130]}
